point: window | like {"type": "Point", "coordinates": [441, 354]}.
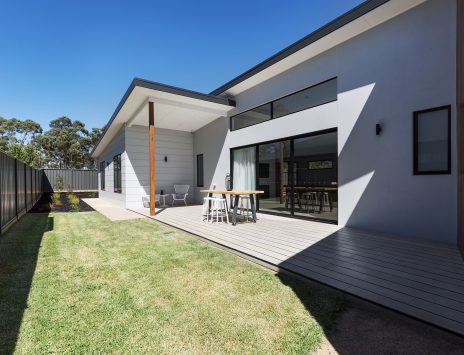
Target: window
{"type": "Point", "coordinates": [102, 175]}
{"type": "Point", "coordinates": [117, 173]}
{"type": "Point", "coordinates": [252, 117]}
{"type": "Point", "coordinates": [302, 100]}
{"type": "Point", "coordinates": [316, 95]}
{"type": "Point", "coordinates": [200, 172]}
{"type": "Point", "coordinates": [432, 141]}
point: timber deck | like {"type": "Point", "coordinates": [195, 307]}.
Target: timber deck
{"type": "Point", "coordinates": [423, 280]}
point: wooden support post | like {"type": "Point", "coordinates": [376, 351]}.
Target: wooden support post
{"type": "Point", "coordinates": [151, 126]}
{"type": "Point", "coordinates": [460, 119]}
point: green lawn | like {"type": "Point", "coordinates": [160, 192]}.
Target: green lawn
{"type": "Point", "coordinates": [78, 283]}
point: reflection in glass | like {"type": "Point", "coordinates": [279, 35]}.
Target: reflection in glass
{"type": "Point", "coordinates": [252, 117]}
{"type": "Point", "coordinates": [316, 176]}
{"type": "Point", "coordinates": [302, 100]}
{"type": "Point", "coordinates": [432, 141]}
{"type": "Point", "coordinates": [274, 177]}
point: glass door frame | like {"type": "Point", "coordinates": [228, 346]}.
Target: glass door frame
{"type": "Point", "coordinates": [290, 172]}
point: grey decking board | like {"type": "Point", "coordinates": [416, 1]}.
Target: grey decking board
{"type": "Point", "coordinates": [265, 240]}
{"type": "Point", "coordinates": [385, 257]}
{"type": "Point", "coordinates": [421, 259]}
{"type": "Point", "coordinates": [311, 250]}
{"type": "Point", "coordinates": [347, 271]}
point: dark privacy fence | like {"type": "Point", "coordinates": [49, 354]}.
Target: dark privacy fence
{"type": "Point", "coordinates": [20, 189]}
{"type": "Point", "coordinates": [76, 180]}
{"type": "Point", "coordinates": [22, 186]}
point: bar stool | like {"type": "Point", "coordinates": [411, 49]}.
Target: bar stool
{"type": "Point", "coordinates": [310, 199]}
{"type": "Point", "coordinates": [219, 207]}
{"type": "Point", "coordinates": [245, 209]}
{"type": "Point", "coordinates": [325, 200]}
{"type": "Point", "coordinates": [206, 211]}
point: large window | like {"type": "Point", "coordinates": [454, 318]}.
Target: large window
{"type": "Point", "coordinates": [310, 97]}
{"type": "Point", "coordinates": [117, 173]}
{"type": "Point", "coordinates": [432, 141]}
{"type": "Point", "coordinates": [299, 175]}
{"type": "Point", "coordinates": [102, 175]}
{"type": "Point", "coordinates": [200, 172]}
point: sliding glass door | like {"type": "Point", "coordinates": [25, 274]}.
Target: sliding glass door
{"type": "Point", "coordinates": [274, 177]}
{"type": "Point", "coordinates": [299, 176]}
{"type": "Point", "coordinates": [316, 178]}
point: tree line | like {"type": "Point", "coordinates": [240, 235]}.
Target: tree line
{"type": "Point", "coordinates": [66, 144]}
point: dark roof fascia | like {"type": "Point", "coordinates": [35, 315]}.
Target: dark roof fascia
{"type": "Point", "coordinates": [182, 92]}
{"type": "Point", "coordinates": [164, 88]}
{"type": "Point", "coordinates": [325, 30]}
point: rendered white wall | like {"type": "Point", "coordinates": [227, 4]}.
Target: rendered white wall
{"type": "Point", "coordinates": [401, 66]}
{"type": "Point", "coordinates": [177, 146]}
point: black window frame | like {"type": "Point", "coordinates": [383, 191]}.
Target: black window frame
{"type": "Point", "coordinates": [102, 175]}
{"type": "Point", "coordinates": [200, 172]}
{"type": "Point", "coordinates": [271, 103]}
{"type": "Point", "coordinates": [416, 117]}
{"type": "Point", "coordinates": [117, 187]}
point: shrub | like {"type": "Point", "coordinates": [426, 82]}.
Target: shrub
{"type": "Point", "coordinates": [56, 199]}
{"type": "Point", "coordinates": [74, 202]}
{"type": "Point", "coordinates": [59, 183]}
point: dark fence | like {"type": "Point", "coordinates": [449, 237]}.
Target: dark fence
{"type": "Point", "coordinates": [76, 180]}
{"type": "Point", "coordinates": [20, 189]}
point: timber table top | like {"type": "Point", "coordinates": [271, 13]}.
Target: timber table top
{"type": "Point", "coordinates": [233, 192]}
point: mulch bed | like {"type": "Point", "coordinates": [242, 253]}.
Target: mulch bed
{"type": "Point", "coordinates": [45, 205]}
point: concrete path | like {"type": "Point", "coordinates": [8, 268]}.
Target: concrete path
{"type": "Point", "coordinates": [110, 211]}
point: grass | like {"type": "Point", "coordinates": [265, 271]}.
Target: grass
{"type": "Point", "coordinates": [78, 283]}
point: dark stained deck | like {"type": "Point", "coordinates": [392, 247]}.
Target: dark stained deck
{"type": "Point", "coordinates": [420, 279]}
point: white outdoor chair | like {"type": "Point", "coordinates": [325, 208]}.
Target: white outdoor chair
{"type": "Point", "coordinates": [180, 193]}
{"type": "Point", "coordinates": [146, 200]}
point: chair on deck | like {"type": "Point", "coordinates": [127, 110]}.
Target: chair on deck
{"type": "Point", "coordinates": [146, 200]}
{"type": "Point", "coordinates": [180, 193]}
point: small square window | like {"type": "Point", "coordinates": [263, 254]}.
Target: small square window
{"type": "Point", "coordinates": [432, 141]}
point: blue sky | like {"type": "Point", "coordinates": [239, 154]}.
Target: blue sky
{"type": "Point", "coordinates": [77, 58]}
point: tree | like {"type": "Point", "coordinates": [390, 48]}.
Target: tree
{"type": "Point", "coordinates": [67, 144]}
{"type": "Point", "coordinates": [16, 140]}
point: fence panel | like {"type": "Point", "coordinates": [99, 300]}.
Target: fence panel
{"type": "Point", "coordinates": [21, 186]}
{"type": "Point", "coordinates": [7, 186]}
{"type": "Point", "coordinates": [20, 189]}
{"type": "Point", "coordinates": [76, 180]}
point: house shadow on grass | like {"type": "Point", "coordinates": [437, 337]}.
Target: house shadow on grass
{"type": "Point", "coordinates": [19, 249]}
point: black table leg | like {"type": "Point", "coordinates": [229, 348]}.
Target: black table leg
{"type": "Point", "coordinates": [253, 207]}
{"type": "Point", "coordinates": [209, 202]}
{"type": "Point", "coordinates": [234, 215]}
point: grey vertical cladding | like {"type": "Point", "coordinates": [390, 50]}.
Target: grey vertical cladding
{"type": "Point", "coordinates": [174, 146]}
{"type": "Point", "coordinates": [20, 189]}
{"type": "Point", "coordinates": [76, 180]}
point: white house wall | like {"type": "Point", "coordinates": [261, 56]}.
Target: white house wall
{"type": "Point", "coordinates": [177, 146]}
{"type": "Point", "coordinates": [384, 75]}
{"type": "Point", "coordinates": [114, 148]}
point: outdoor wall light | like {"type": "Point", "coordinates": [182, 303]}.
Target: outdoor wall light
{"type": "Point", "coordinates": [166, 159]}
{"type": "Point", "coordinates": [378, 129]}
